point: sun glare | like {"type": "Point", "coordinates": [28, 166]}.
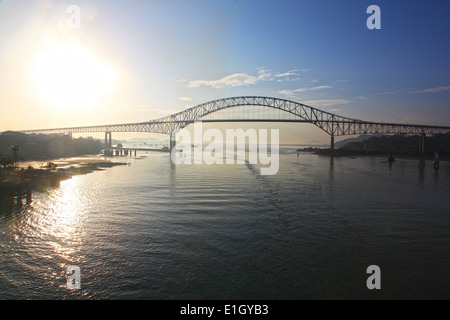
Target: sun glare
{"type": "Point", "coordinates": [71, 76]}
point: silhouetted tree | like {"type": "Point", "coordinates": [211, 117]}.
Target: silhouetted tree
{"type": "Point", "coordinates": [5, 161]}
{"type": "Point", "coordinates": [40, 146]}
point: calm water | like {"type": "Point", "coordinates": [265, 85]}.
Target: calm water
{"type": "Point", "coordinates": [151, 231]}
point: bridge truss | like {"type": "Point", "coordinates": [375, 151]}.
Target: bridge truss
{"type": "Point", "coordinates": [332, 124]}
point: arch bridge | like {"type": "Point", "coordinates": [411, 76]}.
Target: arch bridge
{"type": "Point", "coordinates": [332, 124]}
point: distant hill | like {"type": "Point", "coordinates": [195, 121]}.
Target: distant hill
{"type": "Point", "coordinates": [400, 144]}
{"type": "Point", "coordinates": [41, 146]}
{"type": "Point", "coordinates": [363, 137]}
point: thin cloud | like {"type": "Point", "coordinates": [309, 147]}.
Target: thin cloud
{"type": "Point", "coordinates": [233, 80]}
{"type": "Point", "coordinates": [292, 93]}
{"type": "Point", "coordinates": [312, 88]}
{"type": "Point", "coordinates": [326, 103]}
{"type": "Point", "coordinates": [290, 73]}
{"type": "Point", "coordinates": [245, 79]}
{"type": "Point", "coordinates": [434, 90]}
{"type": "Point", "coordinates": [286, 74]}
{"type": "Point", "coordinates": [185, 99]}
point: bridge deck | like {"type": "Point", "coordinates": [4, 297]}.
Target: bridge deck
{"type": "Point", "coordinates": [332, 124]}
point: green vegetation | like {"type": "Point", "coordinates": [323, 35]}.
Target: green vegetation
{"type": "Point", "coordinates": [39, 147]}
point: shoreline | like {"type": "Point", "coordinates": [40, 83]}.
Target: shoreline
{"type": "Point", "coordinates": [355, 153]}
{"type": "Point", "coordinates": [64, 169]}
{"type": "Point", "coordinates": [64, 163]}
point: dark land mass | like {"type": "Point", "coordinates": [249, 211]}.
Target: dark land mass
{"type": "Point", "coordinates": [52, 176]}
{"type": "Point", "coordinates": [401, 146]}
{"type": "Point", "coordinates": [41, 148]}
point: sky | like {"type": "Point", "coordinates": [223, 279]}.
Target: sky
{"type": "Point", "coordinates": [79, 63]}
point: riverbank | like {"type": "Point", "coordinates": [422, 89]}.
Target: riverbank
{"type": "Point", "coordinates": [51, 173]}
{"type": "Point", "coordinates": [353, 153]}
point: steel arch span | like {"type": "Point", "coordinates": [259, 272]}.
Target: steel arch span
{"type": "Point", "coordinates": [332, 124]}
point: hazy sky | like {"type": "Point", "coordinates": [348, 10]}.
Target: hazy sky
{"type": "Point", "coordinates": [131, 61]}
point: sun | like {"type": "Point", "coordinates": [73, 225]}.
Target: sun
{"type": "Point", "coordinates": [70, 76]}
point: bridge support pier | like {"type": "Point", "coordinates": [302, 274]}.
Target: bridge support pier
{"type": "Point", "coordinates": [422, 143]}
{"type": "Point", "coordinates": [108, 139]}
{"type": "Point", "coordinates": [173, 140]}
{"type": "Point", "coordinates": [332, 143]}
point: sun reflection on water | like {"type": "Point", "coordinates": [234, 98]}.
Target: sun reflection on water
{"type": "Point", "coordinates": [61, 219]}
{"type": "Point", "coordinates": [51, 230]}
{"type": "Point", "coordinates": [44, 237]}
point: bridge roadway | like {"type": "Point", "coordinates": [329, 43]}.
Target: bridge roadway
{"type": "Point", "coordinates": [332, 124]}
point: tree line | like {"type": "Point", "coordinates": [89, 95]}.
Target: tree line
{"type": "Point", "coordinates": [402, 144]}
{"type": "Point", "coordinates": [44, 147]}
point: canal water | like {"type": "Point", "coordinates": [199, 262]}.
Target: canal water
{"type": "Point", "coordinates": [151, 230]}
